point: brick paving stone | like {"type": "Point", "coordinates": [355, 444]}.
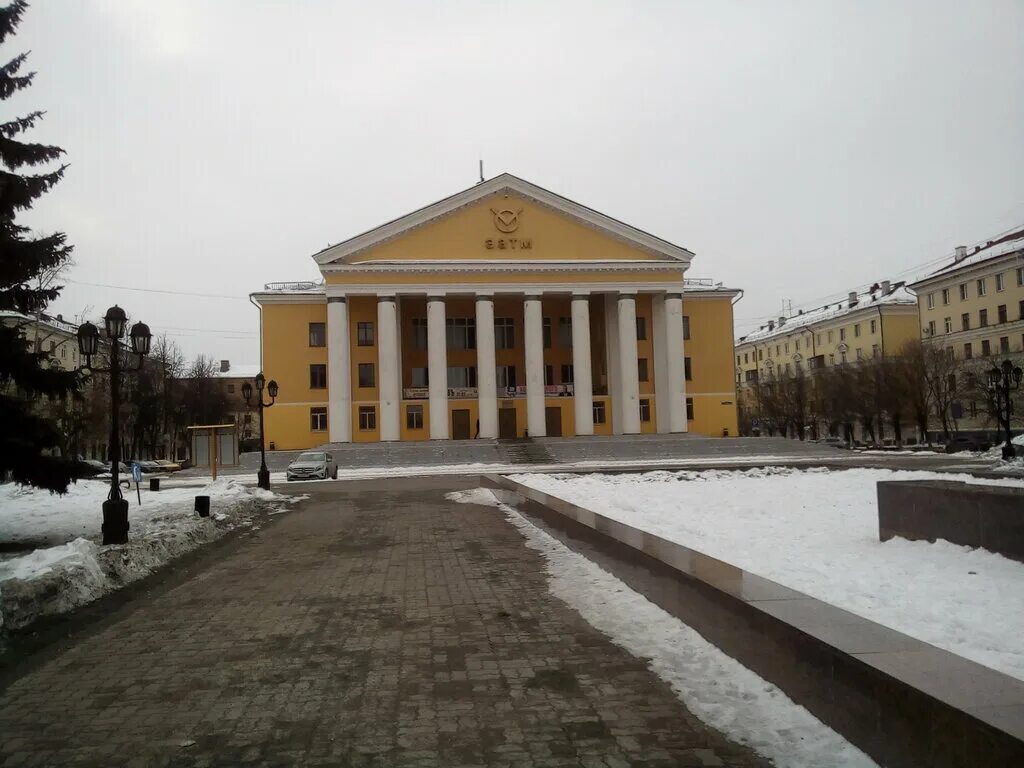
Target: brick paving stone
{"type": "Point", "coordinates": [378, 625]}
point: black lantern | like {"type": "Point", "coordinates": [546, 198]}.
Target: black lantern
{"type": "Point", "coordinates": [140, 338]}
{"type": "Point", "coordinates": [115, 320]}
{"type": "Point", "coordinates": [1002, 380]}
{"type": "Point", "coordinates": [88, 339]}
{"type": "Point", "coordinates": [263, 475]}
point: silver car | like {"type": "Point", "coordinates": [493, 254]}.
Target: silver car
{"type": "Point", "coordinates": [313, 465]}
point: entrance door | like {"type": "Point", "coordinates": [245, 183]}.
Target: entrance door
{"type": "Point", "coordinates": [553, 421]}
{"type": "Point", "coordinates": [507, 423]}
{"type": "Point", "coordinates": [460, 424]}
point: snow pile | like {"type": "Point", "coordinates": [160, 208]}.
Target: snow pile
{"type": "Point", "coordinates": [68, 567]}
{"type": "Point", "coordinates": [715, 687]}
{"type": "Point", "coordinates": [816, 531]}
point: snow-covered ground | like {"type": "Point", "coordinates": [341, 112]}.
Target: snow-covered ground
{"type": "Point", "coordinates": [816, 531]}
{"type": "Point", "coordinates": [53, 559]}
{"type": "Point", "coordinates": [715, 687]}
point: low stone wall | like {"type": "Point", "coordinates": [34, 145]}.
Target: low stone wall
{"type": "Point", "coordinates": [904, 702]}
{"type": "Point", "coordinates": [987, 516]}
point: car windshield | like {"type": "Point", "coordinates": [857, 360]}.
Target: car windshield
{"type": "Point", "coordinates": [311, 457]}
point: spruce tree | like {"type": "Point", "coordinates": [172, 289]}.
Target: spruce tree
{"type": "Point", "coordinates": [26, 437]}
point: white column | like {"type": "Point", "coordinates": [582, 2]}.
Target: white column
{"type": "Point", "coordinates": [339, 372]}
{"type": "Point", "coordinates": [611, 336]}
{"type": "Point", "coordinates": [674, 364]}
{"type": "Point", "coordinates": [582, 376]}
{"type": "Point", "coordinates": [533, 322]}
{"type": "Point", "coordinates": [630, 375]}
{"type": "Point", "coordinates": [486, 372]}
{"type": "Point", "coordinates": [437, 368]}
{"type": "Point", "coordinates": [388, 383]}
{"type": "Point", "coordinates": [661, 353]}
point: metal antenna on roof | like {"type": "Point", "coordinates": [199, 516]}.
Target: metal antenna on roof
{"type": "Point", "coordinates": [481, 171]}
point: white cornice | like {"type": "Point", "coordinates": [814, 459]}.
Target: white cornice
{"type": "Point", "coordinates": [970, 271]}
{"type": "Point", "coordinates": [501, 267]}
{"type": "Point", "coordinates": [506, 182]}
{"type": "Point", "coordinates": [289, 298]}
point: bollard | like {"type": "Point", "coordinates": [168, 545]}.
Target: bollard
{"type": "Point", "coordinates": [154, 483]}
{"type": "Point", "coordinates": [203, 506]}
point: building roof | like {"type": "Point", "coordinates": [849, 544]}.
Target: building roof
{"type": "Point", "coordinates": [238, 372]}
{"type": "Point", "coordinates": [873, 297]}
{"type": "Point", "coordinates": [341, 252]}
{"type": "Point", "coordinates": [1001, 246]}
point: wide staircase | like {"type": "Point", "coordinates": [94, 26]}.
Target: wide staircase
{"type": "Point", "coordinates": [525, 451]}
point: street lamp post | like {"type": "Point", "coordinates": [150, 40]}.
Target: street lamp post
{"type": "Point", "coordinates": [1003, 379]}
{"type": "Point", "coordinates": [263, 476]}
{"type": "Point", "coordinates": [115, 508]}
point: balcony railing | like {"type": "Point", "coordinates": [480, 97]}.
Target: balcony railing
{"type": "Point", "coordinates": [503, 393]}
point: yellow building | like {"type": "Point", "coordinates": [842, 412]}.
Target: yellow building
{"type": "Point", "coordinates": [877, 322]}
{"type": "Point", "coordinates": [975, 304]}
{"type": "Point", "coordinates": [502, 311]}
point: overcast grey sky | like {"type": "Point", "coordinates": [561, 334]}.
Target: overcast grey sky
{"type": "Point", "coordinates": [800, 149]}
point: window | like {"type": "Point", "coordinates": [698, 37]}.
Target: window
{"type": "Point", "coordinates": [819, 338]}
{"type": "Point", "coordinates": [366, 375]}
{"type": "Point", "coordinates": [318, 419]}
{"type": "Point", "coordinates": [414, 417]}
{"type": "Point", "coordinates": [504, 333]}
{"type": "Point", "coordinates": [856, 330]}
{"type": "Point", "coordinates": [948, 323]}
{"type": "Point", "coordinates": [968, 351]}
{"type": "Point", "coordinates": [505, 376]}
{"type": "Point", "coordinates": [842, 334]}
{"type": "Point", "coordinates": [689, 409]}
{"type": "Point", "coordinates": [1020, 275]}
{"type": "Point", "coordinates": [945, 295]}
{"type": "Point", "coordinates": [798, 345]}
{"type": "Point", "coordinates": [231, 389]}
{"type": "Point", "coordinates": [787, 347]}
{"type": "Point", "coordinates": [367, 418]}
{"type": "Point", "coordinates": [737, 359]}
{"type": "Point", "coordinates": [842, 356]}
{"type": "Point", "coordinates": [1001, 313]}
{"type": "Point", "coordinates": [364, 333]}
{"type": "Point", "coordinates": [546, 332]}
{"type": "Point", "coordinates": [745, 354]}
{"type": "Point", "coordinates": [687, 370]}
{"type": "Point", "coordinates": [318, 376]}
{"type": "Point", "coordinates": [641, 328]}
{"type": "Point", "coordinates": [641, 366]}
{"type": "Point", "coordinates": [830, 337]}
{"type": "Point", "coordinates": [931, 301]}
{"type": "Point", "coordinates": [318, 334]}
{"type": "Point", "coordinates": [982, 289]}
{"type": "Point", "coordinates": [567, 374]}
{"type": "Point", "coordinates": [760, 354]}
{"type": "Point", "coordinates": [421, 377]}
{"type": "Point", "coordinates": [686, 324]}
{"type": "Point", "coordinates": [1020, 309]}
{"type": "Point", "coordinates": [461, 377]}
{"type": "Point", "coordinates": [965, 321]}
{"type": "Point", "coordinates": [831, 359]}
{"type": "Point", "coordinates": [876, 351]}
{"type": "Point", "coordinates": [874, 325]}
{"type": "Point", "coordinates": [860, 353]}
{"type": "Point", "coordinates": [549, 375]}
{"type": "Point", "coordinates": [1004, 344]}
{"type": "Point", "coordinates": [419, 332]}
{"type": "Point", "coordinates": [645, 410]}
{"type": "Point", "coordinates": [1000, 282]}
{"type": "Point", "coordinates": [986, 348]}
{"type": "Point", "coordinates": [931, 327]}
{"type": "Point", "coordinates": [963, 291]}
{"type": "Point", "coordinates": [982, 318]}
{"type": "Point", "coordinates": [460, 332]}
{"type": "Point", "coordinates": [565, 331]}
{"type": "Point", "coordinates": [778, 350]}
{"type": "Point", "coordinates": [599, 413]}
{"type": "Point", "coordinates": [247, 419]}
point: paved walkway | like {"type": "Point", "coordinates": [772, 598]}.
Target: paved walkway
{"type": "Point", "coordinates": [378, 625]}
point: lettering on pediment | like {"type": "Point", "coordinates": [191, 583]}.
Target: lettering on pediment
{"type": "Point", "coordinates": [508, 244]}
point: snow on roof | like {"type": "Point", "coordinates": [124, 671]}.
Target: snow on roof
{"type": "Point", "coordinates": [302, 286]}
{"type": "Point", "coordinates": [1001, 246]}
{"type": "Point", "coordinates": [873, 297]}
{"type": "Point", "coordinates": [238, 372]}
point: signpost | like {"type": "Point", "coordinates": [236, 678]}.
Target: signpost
{"type": "Point", "coordinates": [137, 477]}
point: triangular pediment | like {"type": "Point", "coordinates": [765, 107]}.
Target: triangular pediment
{"type": "Point", "coordinates": [503, 219]}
